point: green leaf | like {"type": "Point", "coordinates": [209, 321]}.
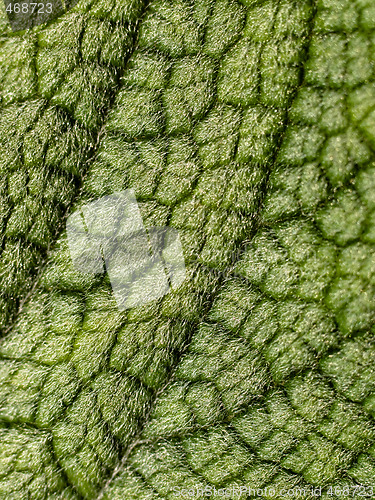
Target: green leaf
{"type": "Point", "coordinates": [249, 127]}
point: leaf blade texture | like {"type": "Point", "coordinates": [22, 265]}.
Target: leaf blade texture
{"type": "Point", "coordinates": [248, 127]}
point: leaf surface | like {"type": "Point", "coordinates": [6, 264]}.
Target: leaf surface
{"type": "Point", "coordinates": [249, 128]}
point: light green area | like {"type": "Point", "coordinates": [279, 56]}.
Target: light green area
{"type": "Point", "coordinates": [249, 127]}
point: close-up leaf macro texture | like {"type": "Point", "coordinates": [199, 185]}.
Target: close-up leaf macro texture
{"type": "Point", "coordinates": [249, 127]}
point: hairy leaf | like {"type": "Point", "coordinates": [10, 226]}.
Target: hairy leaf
{"type": "Point", "coordinates": [249, 127]}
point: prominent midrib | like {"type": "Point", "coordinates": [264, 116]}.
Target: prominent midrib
{"type": "Point", "coordinates": [278, 143]}
{"type": "Point", "coordinates": [209, 298]}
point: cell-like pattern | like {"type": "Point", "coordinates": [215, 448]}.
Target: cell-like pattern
{"type": "Point", "coordinates": [299, 301]}
{"type": "Point", "coordinates": [56, 86]}
{"type": "Point", "coordinates": [235, 378]}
